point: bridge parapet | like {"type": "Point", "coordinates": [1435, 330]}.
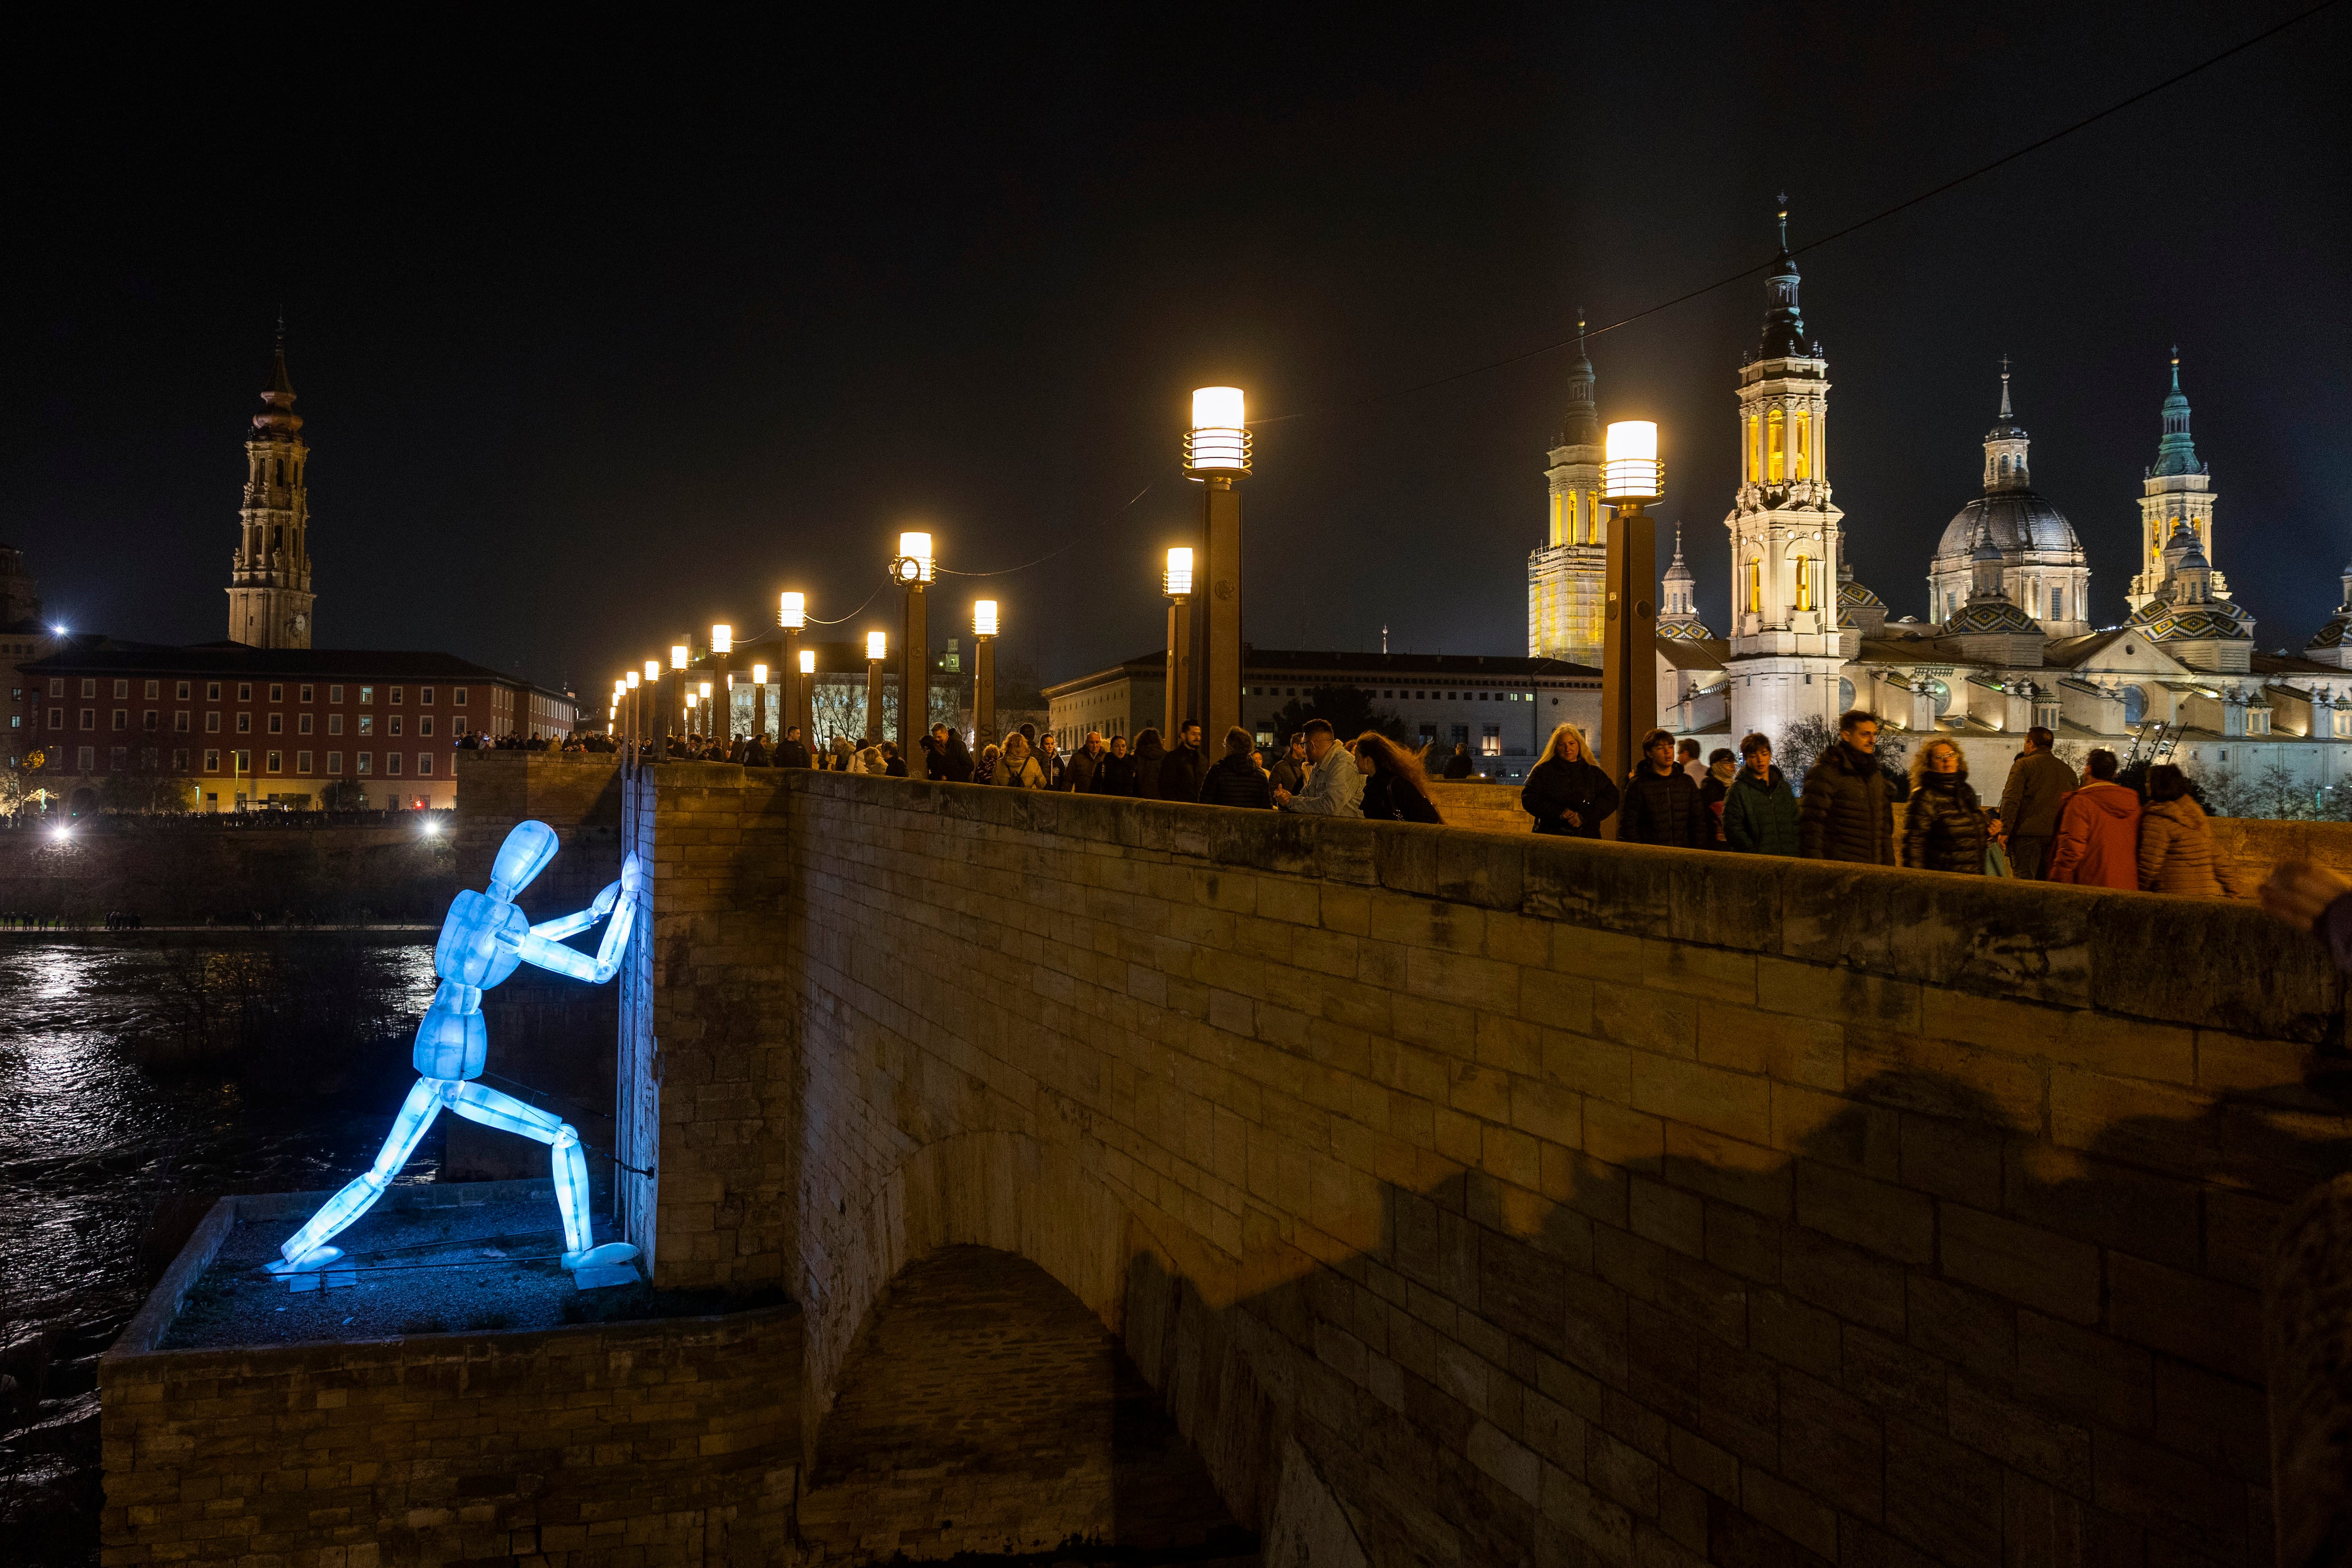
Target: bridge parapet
{"type": "Point", "coordinates": [1488, 1191]}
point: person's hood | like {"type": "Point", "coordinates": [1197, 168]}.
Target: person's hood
{"type": "Point", "coordinates": [2112, 798]}
{"type": "Point", "coordinates": [2184, 811]}
{"type": "Point", "coordinates": [1149, 747]}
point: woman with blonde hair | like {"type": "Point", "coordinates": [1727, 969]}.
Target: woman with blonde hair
{"type": "Point", "coordinates": [1395, 789]}
{"type": "Point", "coordinates": [1017, 767]}
{"type": "Point", "coordinates": [1944, 825]}
{"type": "Point", "coordinates": [1567, 793]}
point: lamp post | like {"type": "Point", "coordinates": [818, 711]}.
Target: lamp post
{"type": "Point", "coordinates": [1632, 477]}
{"type": "Point", "coordinates": [983, 673]}
{"type": "Point", "coordinates": [722, 646]}
{"type": "Point", "coordinates": [911, 569]}
{"type": "Point", "coordinates": [792, 614]}
{"type": "Point", "coordinates": [680, 653]}
{"type": "Point", "coordinates": [1176, 581]}
{"type": "Point", "coordinates": [759, 701]}
{"type": "Point", "coordinates": [877, 650]}
{"type": "Point", "coordinates": [636, 702]}
{"type": "Point", "coordinates": [805, 701]}
{"type": "Point", "coordinates": [1216, 454]}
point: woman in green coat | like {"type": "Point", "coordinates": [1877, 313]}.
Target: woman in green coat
{"type": "Point", "coordinates": [1760, 812]}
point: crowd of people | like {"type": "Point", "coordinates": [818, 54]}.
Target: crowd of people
{"type": "Point", "coordinates": [2048, 824]}
{"type": "Point", "coordinates": [477, 740]}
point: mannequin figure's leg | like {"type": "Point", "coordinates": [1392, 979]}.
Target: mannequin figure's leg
{"type": "Point", "coordinates": [305, 1248]}
{"type": "Point", "coordinates": [477, 1102]}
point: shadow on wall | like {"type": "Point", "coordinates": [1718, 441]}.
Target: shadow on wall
{"type": "Point", "coordinates": [2031, 1350]}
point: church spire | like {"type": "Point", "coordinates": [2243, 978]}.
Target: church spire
{"type": "Point", "coordinates": [1784, 323]}
{"type": "Point", "coordinates": [1582, 426]}
{"type": "Point", "coordinates": [2006, 446]}
{"type": "Point", "coordinates": [2176, 452]}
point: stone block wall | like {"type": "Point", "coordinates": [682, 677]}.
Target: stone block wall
{"type": "Point", "coordinates": [1537, 1198]}
{"type": "Point", "coordinates": [649, 1443]}
{"type": "Point", "coordinates": [178, 872]}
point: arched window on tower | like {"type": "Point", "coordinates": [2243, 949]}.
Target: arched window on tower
{"type": "Point", "coordinates": [1804, 445]}
{"type": "Point", "coordinates": [1804, 581]}
{"type": "Point", "coordinates": [2003, 468]}
{"type": "Point", "coordinates": [2135, 707]}
{"type": "Point", "coordinates": [1754, 450]}
{"type": "Point", "coordinates": [1776, 454]}
{"type": "Point", "coordinates": [1755, 586]}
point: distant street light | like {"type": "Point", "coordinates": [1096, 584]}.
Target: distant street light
{"type": "Point", "coordinates": [722, 646]}
{"type": "Point", "coordinates": [792, 614]}
{"type": "Point", "coordinates": [1632, 477]}
{"type": "Point", "coordinates": [984, 672]}
{"type": "Point", "coordinates": [1216, 454]}
{"type": "Point", "coordinates": [912, 569]}
{"type": "Point", "coordinates": [1180, 701]}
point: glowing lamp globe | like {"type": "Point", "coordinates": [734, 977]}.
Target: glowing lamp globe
{"type": "Point", "coordinates": [914, 561]}
{"type": "Point", "coordinates": [690, 701]}
{"type": "Point", "coordinates": [808, 661]}
{"type": "Point", "coordinates": [1630, 468]}
{"type": "Point", "coordinates": [876, 642]}
{"type": "Point", "coordinates": [1177, 580]}
{"type": "Point", "coordinates": [1218, 441]}
{"type": "Point", "coordinates": [706, 690]}
{"type": "Point", "coordinates": [633, 681]}
{"type": "Point", "coordinates": [677, 655]}
{"type": "Point", "coordinates": [653, 669]}
{"type": "Point", "coordinates": [722, 638]}
{"type": "Point", "coordinates": [792, 611]}
{"type": "Point", "coordinates": [758, 675]}
{"type": "Point", "coordinates": [983, 618]}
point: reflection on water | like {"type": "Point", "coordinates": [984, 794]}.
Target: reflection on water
{"type": "Point", "coordinates": [95, 1146]}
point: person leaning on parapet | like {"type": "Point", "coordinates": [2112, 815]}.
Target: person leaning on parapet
{"type": "Point", "coordinates": [1394, 789]}
{"type": "Point", "coordinates": [791, 751]}
{"type": "Point", "coordinates": [1847, 812]}
{"type": "Point", "coordinates": [1662, 802]}
{"type": "Point", "coordinates": [1115, 774]}
{"type": "Point", "coordinates": [2098, 830]}
{"type": "Point", "coordinates": [1567, 793]}
{"type": "Point", "coordinates": [1234, 779]}
{"type": "Point", "coordinates": [1334, 788]}
{"type": "Point", "coordinates": [1759, 810]}
{"type": "Point", "coordinates": [1078, 773]}
{"type": "Point", "coordinates": [1944, 828]}
{"type": "Point", "coordinates": [2176, 847]}
{"type": "Point", "coordinates": [2038, 784]}
{"type": "Point", "coordinates": [1289, 770]}
{"type": "Point", "coordinates": [1015, 768]}
{"type": "Point", "coordinates": [1151, 750]}
{"type": "Point", "coordinates": [1182, 769]}
{"type": "Point", "coordinates": [986, 766]}
{"type": "Point", "coordinates": [955, 759]}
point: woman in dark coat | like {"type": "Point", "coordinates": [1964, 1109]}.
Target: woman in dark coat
{"type": "Point", "coordinates": [1236, 780]}
{"type": "Point", "coordinates": [1150, 750]}
{"type": "Point", "coordinates": [955, 759]}
{"type": "Point", "coordinates": [1395, 789]}
{"type": "Point", "coordinates": [1942, 823]}
{"type": "Point", "coordinates": [1566, 792]}
{"type": "Point", "coordinates": [1116, 773]}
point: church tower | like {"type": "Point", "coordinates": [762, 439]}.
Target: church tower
{"type": "Point", "coordinates": [1786, 541]}
{"type": "Point", "coordinates": [270, 594]}
{"type": "Point", "coordinates": [1565, 600]}
{"type": "Point", "coordinates": [2178, 491]}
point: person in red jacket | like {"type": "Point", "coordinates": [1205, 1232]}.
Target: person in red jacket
{"type": "Point", "coordinates": [2098, 830]}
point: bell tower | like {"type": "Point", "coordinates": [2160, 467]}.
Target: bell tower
{"type": "Point", "coordinates": [1567, 597]}
{"type": "Point", "coordinates": [270, 594]}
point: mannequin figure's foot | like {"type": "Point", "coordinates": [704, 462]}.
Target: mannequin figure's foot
{"type": "Point", "coordinates": [316, 1257]}
{"type": "Point", "coordinates": [613, 1254]}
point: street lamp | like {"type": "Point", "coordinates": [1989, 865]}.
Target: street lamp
{"type": "Point", "coordinates": [792, 614]}
{"type": "Point", "coordinates": [759, 701]}
{"type": "Point", "coordinates": [984, 672]}
{"type": "Point", "coordinates": [680, 655]}
{"type": "Point", "coordinates": [912, 569]}
{"type": "Point", "coordinates": [805, 701]}
{"type": "Point", "coordinates": [1176, 581]}
{"type": "Point", "coordinates": [876, 649]}
{"type": "Point", "coordinates": [637, 700]}
{"type": "Point", "coordinates": [1632, 477]}
{"type": "Point", "coordinates": [722, 644]}
{"type": "Point", "coordinates": [1216, 454]}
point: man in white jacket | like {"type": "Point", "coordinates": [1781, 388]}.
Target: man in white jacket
{"type": "Point", "coordinates": [1334, 787]}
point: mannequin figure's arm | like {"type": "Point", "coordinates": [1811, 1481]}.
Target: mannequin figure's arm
{"type": "Point", "coordinates": [562, 926]}
{"type": "Point", "coordinates": [620, 898]}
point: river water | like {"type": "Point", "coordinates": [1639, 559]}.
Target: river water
{"type": "Point", "coordinates": [98, 1145]}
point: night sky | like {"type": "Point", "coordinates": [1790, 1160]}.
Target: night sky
{"type": "Point", "coordinates": [603, 333]}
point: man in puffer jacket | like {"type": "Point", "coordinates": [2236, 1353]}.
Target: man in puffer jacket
{"type": "Point", "coordinates": [2175, 848]}
{"type": "Point", "coordinates": [1234, 779]}
{"type": "Point", "coordinates": [1661, 804]}
{"type": "Point", "coordinates": [1759, 814]}
{"type": "Point", "coordinates": [1846, 812]}
{"type": "Point", "coordinates": [2098, 830]}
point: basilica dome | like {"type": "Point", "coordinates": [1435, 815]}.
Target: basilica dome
{"type": "Point", "coordinates": [2018, 519]}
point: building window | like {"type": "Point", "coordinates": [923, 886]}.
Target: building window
{"type": "Point", "coordinates": [1429, 733]}
{"type": "Point", "coordinates": [425, 724]}
{"type": "Point", "coordinates": [243, 761]}
{"type": "Point", "coordinates": [88, 758]}
{"type": "Point", "coordinates": [181, 691]}
{"type": "Point", "coordinates": [1490, 740]}
{"type": "Point", "coordinates": [334, 694]}
{"type": "Point", "coordinates": [457, 697]}
{"type": "Point", "coordinates": [306, 692]}
{"type": "Point", "coordinates": [212, 723]}
{"type": "Point", "coordinates": [391, 764]}
{"type": "Point", "coordinates": [148, 721]}
{"type": "Point", "coordinates": [302, 763]}
{"type": "Point", "coordinates": [302, 725]}
{"type": "Point", "coordinates": [395, 728]}
{"type": "Point", "coordinates": [424, 694]}
{"type": "Point", "coordinates": [367, 723]}
{"type": "Point", "coordinates": [1461, 734]}
{"type": "Point", "coordinates": [2057, 604]}
{"type": "Point", "coordinates": [1804, 445]}
{"type": "Point", "coordinates": [154, 689]}
{"type": "Point", "coordinates": [367, 761]}
{"type": "Point", "coordinates": [245, 691]}
{"type": "Point", "coordinates": [57, 685]}
{"type": "Point", "coordinates": [1775, 437]}
{"type": "Point", "coordinates": [1754, 450]}
{"type": "Point", "coordinates": [245, 723]}
{"type": "Point", "coordinates": [1754, 586]}
{"type": "Point", "coordinates": [56, 718]}
{"type": "Point", "coordinates": [123, 688]}
{"type": "Point", "coordinates": [89, 687]}
{"type": "Point", "coordinates": [424, 763]}
{"type": "Point", "coordinates": [179, 761]}
{"type": "Point", "coordinates": [367, 695]}
{"type": "Point", "coordinates": [212, 691]}
{"type": "Point", "coordinates": [334, 724]}
{"type": "Point", "coordinates": [180, 722]}
{"type": "Point", "coordinates": [1804, 581]}
{"type": "Point", "coordinates": [89, 718]}
{"type": "Point", "coordinates": [123, 718]}
{"type": "Point", "coordinates": [395, 694]}
{"type": "Point", "coordinates": [117, 757]}
{"type": "Point", "coordinates": [277, 724]}
{"type": "Point", "coordinates": [277, 692]}
{"type": "Point", "coordinates": [212, 761]}
{"type": "Point", "coordinates": [276, 762]}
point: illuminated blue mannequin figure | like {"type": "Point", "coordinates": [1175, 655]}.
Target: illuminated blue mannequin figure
{"type": "Point", "coordinates": [482, 941]}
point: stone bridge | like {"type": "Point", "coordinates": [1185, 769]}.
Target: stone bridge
{"type": "Point", "coordinates": [1169, 1176]}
